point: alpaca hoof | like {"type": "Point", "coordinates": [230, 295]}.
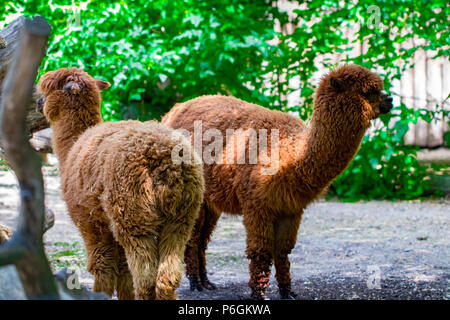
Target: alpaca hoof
{"type": "Point", "coordinates": [194, 283]}
{"type": "Point", "coordinates": [289, 296]}
{"type": "Point", "coordinates": [258, 296]}
{"type": "Point", "coordinates": [208, 284]}
{"type": "Point", "coordinates": [286, 293]}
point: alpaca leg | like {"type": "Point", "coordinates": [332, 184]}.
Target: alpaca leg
{"type": "Point", "coordinates": [101, 248]}
{"type": "Point", "coordinates": [211, 219]}
{"type": "Point", "coordinates": [173, 238]}
{"type": "Point", "coordinates": [191, 253]}
{"type": "Point", "coordinates": [260, 247]}
{"type": "Point", "coordinates": [124, 283]}
{"type": "Point", "coordinates": [101, 256]}
{"type": "Point", "coordinates": [191, 261]}
{"type": "Point", "coordinates": [286, 230]}
{"type": "Point", "coordinates": [142, 256]}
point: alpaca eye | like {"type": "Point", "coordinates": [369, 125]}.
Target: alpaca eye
{"type": "Point", "coordinates": [369, 94]}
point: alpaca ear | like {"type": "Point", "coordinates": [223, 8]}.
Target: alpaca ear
{"type": "Point", "coordinates": [102, 84]}
{"type": "Point", "coordinates": [49, 82]}
{"type": "Point", "coordinates": [337, 84]}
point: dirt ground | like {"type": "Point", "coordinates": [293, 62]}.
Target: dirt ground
{"type": "Point", "coordinates": [364, 250]}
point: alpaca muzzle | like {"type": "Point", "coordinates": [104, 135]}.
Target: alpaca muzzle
{"type": "Point", "coordinates": [40, 104]}
{"type": "Point", "coordinates": [72, 87]}
{"type": "Point", "coordinates": [386, 106]}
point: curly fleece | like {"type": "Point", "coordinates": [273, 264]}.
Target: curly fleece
{"type": "Point", "coordinates": [133, 206]}
{"type": "Point", "coordinates": [310, 158]}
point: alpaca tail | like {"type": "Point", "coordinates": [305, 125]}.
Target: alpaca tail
{"type": "Point", "coordinates": [174, 235]}
{"type": "Point", "coordinates": [181, 185]}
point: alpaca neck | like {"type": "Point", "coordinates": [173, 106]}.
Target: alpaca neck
{"type": "Point", "coordinates": [329, 148]}
{"type": "Point", "coordinates": [68, 128]}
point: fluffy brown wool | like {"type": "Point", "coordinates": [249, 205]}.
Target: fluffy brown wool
{"type": "Point", "coordinates": [134, 207]}
{"type": "Point", "coordinates": [310, 158]}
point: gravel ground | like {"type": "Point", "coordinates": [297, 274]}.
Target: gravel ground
{"type": "Point", "coordinates": [364, 250]}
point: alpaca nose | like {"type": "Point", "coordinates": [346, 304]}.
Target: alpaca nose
{"type": "Point", "coordinates": [72, 87]}
{"type": "Point", "coordinates": [387, 105]}
{"type": "Point", "coordinates": [40, 104]}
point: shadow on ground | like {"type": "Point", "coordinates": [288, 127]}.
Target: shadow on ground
{"type": "Point", "coordinates": [335, 288]}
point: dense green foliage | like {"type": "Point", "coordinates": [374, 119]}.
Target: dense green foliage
{"type": "Point", "coordinates": [157, 53]}
{"type": "Point", "coordinates": [385, 167]}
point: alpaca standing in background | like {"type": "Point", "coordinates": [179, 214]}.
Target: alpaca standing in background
{"type": "Point", "coordinates": [310, 158]}
{"type": "Point", "coordinates": [134, 207]}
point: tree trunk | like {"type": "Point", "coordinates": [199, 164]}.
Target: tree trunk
{"type": "Point", "coordinates": [25, 249]}
{"type": "Point", "coordinates": [9, 43]}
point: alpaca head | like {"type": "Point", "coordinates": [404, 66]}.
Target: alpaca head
{"type": "Point", "coordinates": [354, 92]}
{"type": "Point", "coordinates": [69, 91]}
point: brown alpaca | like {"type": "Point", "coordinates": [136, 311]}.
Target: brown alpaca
{"type": "Point", "coordinates": [135, 208]}
{"type": "Point", "coordinates": [310, 158]}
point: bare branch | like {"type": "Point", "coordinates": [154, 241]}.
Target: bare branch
{"type": "Point", "coordinates": [42, 141]}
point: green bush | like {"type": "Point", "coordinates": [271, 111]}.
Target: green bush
{"type": "Point", "coordinates": [157, 53]}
